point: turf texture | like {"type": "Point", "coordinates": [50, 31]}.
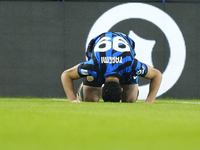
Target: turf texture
{"type": "Point", "coordinates": [57, 124]}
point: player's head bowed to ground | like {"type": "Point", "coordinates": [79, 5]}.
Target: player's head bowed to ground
{"type": "Point", "coordinates": [112, 63]}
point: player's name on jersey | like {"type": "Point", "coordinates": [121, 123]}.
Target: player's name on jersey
{"type": "Point", "coordinates": [111, 60]}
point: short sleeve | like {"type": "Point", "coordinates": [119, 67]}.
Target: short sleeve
{"type": "Point", "coordinates": [139, 68]}
{"type": "Point", "coordinates": [87, 68]}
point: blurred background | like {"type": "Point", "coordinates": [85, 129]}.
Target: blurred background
{"type": "Point", "coordinates": [39, 39]}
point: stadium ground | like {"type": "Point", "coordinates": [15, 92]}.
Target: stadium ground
{"type": "Point", "coordinates": [57, 124]}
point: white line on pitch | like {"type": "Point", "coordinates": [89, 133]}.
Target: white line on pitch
{"type": "Point", "coordinates": [59, 99]}
{"type": "Point", "coordinates": [186, 102]}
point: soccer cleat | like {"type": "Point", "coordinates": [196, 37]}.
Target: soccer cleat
{"type": "Point", "coordinates": [79, 93]}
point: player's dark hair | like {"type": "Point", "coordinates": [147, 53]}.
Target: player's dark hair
{"type": "Point", "coordinates": [111, 92]}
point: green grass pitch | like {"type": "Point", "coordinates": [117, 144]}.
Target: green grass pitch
{"type": "Point", "coordinates": [56, 124]}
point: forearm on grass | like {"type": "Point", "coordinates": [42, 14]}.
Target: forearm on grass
{"type": "Point", "coordinates": [67, 78]}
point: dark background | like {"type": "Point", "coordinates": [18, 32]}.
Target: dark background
{"type": "Point", "coordinates": [39, 40]}
{"type": "Point", "coordinates": [167, 1]}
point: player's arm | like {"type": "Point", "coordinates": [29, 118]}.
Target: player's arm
{"type": "Point", "coordinates": [67, 78]}
{"type": "Point", "coordinates": [156, 77]}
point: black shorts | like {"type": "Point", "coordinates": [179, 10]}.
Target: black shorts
{"type": "Point", "coordinates": [90, 81]}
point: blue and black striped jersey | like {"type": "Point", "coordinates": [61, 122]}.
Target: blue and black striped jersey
{"type": "Point", "coordinates": [112, 53]}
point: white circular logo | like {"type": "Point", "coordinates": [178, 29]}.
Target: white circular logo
{"type": "Point", "coordinates": [163, 21]}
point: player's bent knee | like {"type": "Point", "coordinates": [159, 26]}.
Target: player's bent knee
{"type": "Point", "coordinates": [91, 99]}
{"type": "Point", "coordinates": [91, 94]}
